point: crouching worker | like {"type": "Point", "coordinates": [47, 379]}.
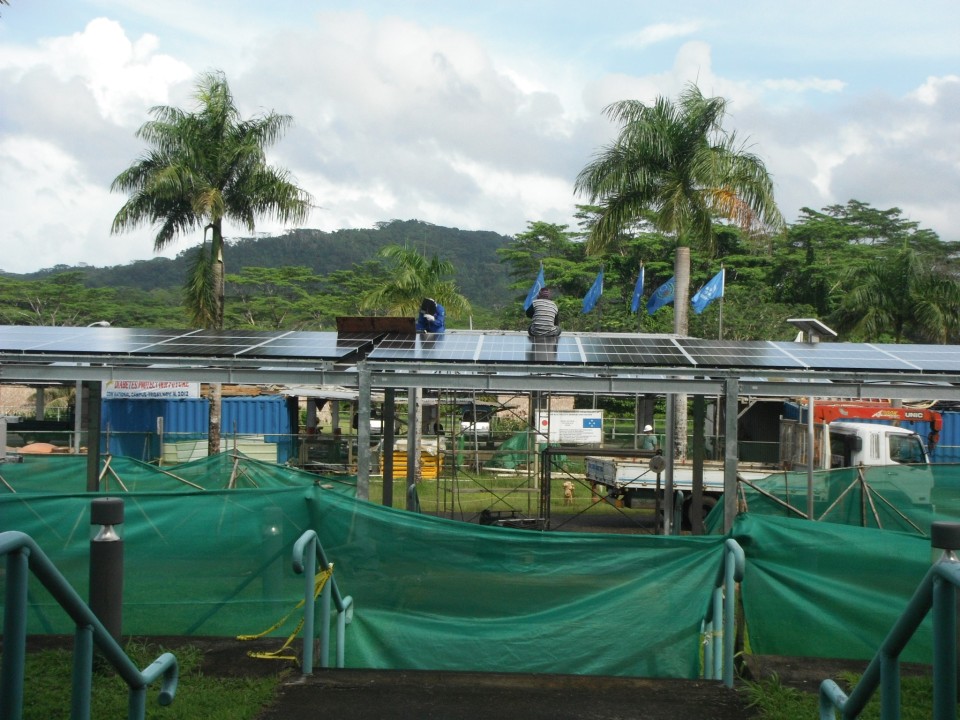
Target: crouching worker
{"type": "Point", "coordinates": [432, 317]}
{"type": "Point", "coordinates": [544, 315]}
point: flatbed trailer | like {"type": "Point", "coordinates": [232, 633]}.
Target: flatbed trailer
{"type": "Point", "coordinates": [636, 481]}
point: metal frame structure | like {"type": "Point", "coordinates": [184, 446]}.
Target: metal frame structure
{"type": "Point", "coordinates": [875, 372]}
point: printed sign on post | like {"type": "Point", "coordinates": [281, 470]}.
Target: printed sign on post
{"type": "Point", "coordinates": [574, 427]}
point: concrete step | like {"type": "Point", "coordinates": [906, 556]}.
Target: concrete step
{"type": "Point", "coordinates": [349, 694]}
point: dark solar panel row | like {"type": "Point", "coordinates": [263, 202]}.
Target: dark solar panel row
{"type": "Point", "coordinates": [624, 349]}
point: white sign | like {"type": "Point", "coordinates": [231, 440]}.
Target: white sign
{"type": "Point", "coordinates": [576, 427]}
{"type": "Point", "coordinates": [150, 389]}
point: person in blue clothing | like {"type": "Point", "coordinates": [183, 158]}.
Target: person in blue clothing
{"type": "Point", "coordinates": [432, 317]}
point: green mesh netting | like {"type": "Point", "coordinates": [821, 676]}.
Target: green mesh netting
{"type": "Point", "coordinates": [435, 593]}
{"type": "Point", "coordinates": [440, 594]}
{"type": "Point", "coordinates": [818, 589]}
{"type": "Point", "coordinates": [512, 453]}
{"type": "Point", "coordinates": [430, 593]}
{"type": "Point", "coordinates": [892, 497]}
{"type": "Point", "coordinates": [65, 474]}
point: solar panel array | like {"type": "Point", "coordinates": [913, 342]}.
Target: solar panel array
{"type": "Point", "coordinates": [132, 342]}
{"type": "Point", "coordinates": [588, 349]}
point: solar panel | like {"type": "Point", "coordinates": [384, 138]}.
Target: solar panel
{"type": "Point", "coordinates": [742, 353]}
{"type": "Point", "coordinates": [203, 343]}
{"type": "Point", "coordinates": [843, 356]}
{"type": "Point", "coordinates": [448, 347]}
{"type": "Point", "coordinates": [74, 340]}
{"type": "Point", "coordinates": [473, 346]}
{"type": "Point", "coordinates": [934, 358]}
{"type": "Point", "coordinates": [313, 345]}
{"type": "Point", "coordinates": [518, 347]}
{"type": "Point", "coordinates": [632, 349]}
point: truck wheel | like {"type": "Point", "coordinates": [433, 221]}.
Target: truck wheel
{"type": "Point", "coordinates": [707, 504]}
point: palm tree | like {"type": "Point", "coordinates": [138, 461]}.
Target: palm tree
{"type": "Point", "coordinates": [901, 297]}
{"type": "Point", "coordinates": [204, 167]}
{"type": "Point", "coordinates": [674, 166]}
{"type": "Point", "coordinates": [413, 277]}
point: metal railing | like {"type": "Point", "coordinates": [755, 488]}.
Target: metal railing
{"type": "Point", "coordinates": [937, 592]}
{"type": "Point", "coordinates": [24, 555]}
{"type": "Point", "coordinates": [308, 554]}
{"type": "Point", "coordinates": [719, 625]}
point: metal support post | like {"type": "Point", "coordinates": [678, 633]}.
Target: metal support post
{"type": "Point", "coordinates": [730, 453]}
{"type": "Point", "coordinates": [363, 432]}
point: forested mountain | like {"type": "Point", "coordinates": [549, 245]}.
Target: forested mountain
{"type": "Point", "coordinates": [479, 273]}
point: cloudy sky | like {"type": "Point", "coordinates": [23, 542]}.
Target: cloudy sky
{"type": "Point", "coordinates": [468, 114]}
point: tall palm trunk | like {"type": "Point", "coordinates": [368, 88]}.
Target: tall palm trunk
{"type": "Point", "coordinates": [681, 294]}
{"type": "Point", "coordinates": [216, 391]}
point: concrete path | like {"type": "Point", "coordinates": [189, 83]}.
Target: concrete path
{"type": "Point", "coordinates": [429, 695]}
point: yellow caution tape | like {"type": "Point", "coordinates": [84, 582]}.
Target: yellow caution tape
{"type": "Point", "coordinates": [318, 582]}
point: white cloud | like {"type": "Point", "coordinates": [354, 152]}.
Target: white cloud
{"type": "Point", "coordinates": [800, 85]}
{"type": "Point", "coordinates": [123, 76]}
{"type": "Point", "coordinates": [408, 117]}
{"type": "Point", "coordinates": [658, 33]}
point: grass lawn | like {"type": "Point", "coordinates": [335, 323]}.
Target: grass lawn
{"type": "Point", "coordinates": [47, 689]}
{"type": "Point", "coordinates": [774, 701]}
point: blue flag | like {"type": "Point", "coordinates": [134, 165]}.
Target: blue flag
{"type": "Point", "coordinates": [537, 286]}
{"type": "Point", "coordinates": [709, 292]}
{"type": "Point", "coordinates": [663, 295]}
{"type": "Point", "coordinates": [594, 293]}
{"type": "Point", "coordinates": [637, 292]}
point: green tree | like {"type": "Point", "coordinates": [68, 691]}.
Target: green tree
{"type": "Point", "coordinates": [274, 298]}
{"type": "Point", "coordinates": [205, 167]}
{"type": "Point", "coordinates": [60, 299]}
{"type": "Point", "coordinates": [411, 277]}
{"type": "Point", "coordinates": [899, 297]}
{"type": "Point", "coordinates": [816, 262]}
{"type": "Point", "coordinates": [674, 165]}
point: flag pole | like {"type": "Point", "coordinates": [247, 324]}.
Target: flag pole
{"type": "Point", "coordinates": [639, 314]}
{"type": "Point", "coordinates": [723, 292]}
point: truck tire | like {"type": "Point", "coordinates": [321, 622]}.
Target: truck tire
{"type": "Point", "coordinates": [709, 503]}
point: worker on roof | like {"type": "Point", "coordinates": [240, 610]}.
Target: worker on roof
{"type": "Point", "coordinates": [432, 317]}
{"type": "Point", "coordinates": [544, 315]}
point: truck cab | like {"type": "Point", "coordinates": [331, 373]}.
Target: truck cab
{"type": "Point", "coordinates": [853, 444]}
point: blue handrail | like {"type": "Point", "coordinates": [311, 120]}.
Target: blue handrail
{"type": "Point", "coordinates": [308, 553]}
{"type": "Point", "coordinates": [720, 621]}
{"type": "Point", "coordinates": [937, 592]}
{"type": "Point", "coordinates": [24, 555]}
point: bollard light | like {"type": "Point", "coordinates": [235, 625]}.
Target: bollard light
{"type": "Point", "coordinates": [945, 537]}
{"type": "Point", "coordinates": [106, 563]}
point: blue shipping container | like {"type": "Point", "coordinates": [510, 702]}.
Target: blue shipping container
{"type": "Point", "coordinates": [129, 426]}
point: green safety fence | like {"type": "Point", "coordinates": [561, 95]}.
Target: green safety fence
{"type": "Point", "coordinates": [816, 589]}
{"type": "Point", "coordinates": [438, 594]}
{"type": "Point", "coordinates": [891, 497]}
{"type": "Point", "coordinates": [65, 474]}
{"type": "Point", "coordinates": [430, 593]}
{"type": "Point", "coordinates": [433, 593]}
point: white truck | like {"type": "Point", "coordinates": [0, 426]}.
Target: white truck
{"type": "Point", "coordinates": [637, 481]}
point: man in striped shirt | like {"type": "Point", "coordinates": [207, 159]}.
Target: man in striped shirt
{"type": "Point", "coordinates": [544, 315]}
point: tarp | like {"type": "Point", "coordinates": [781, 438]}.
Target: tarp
{"type": "Point", "coordinates": [430, 593]}
{"type": "Point", "coordinates": [67, 474]}
{"type": "Point", "coordinates": [818, 589]}
{"type": "Point", "coordinates": [439, 594]}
